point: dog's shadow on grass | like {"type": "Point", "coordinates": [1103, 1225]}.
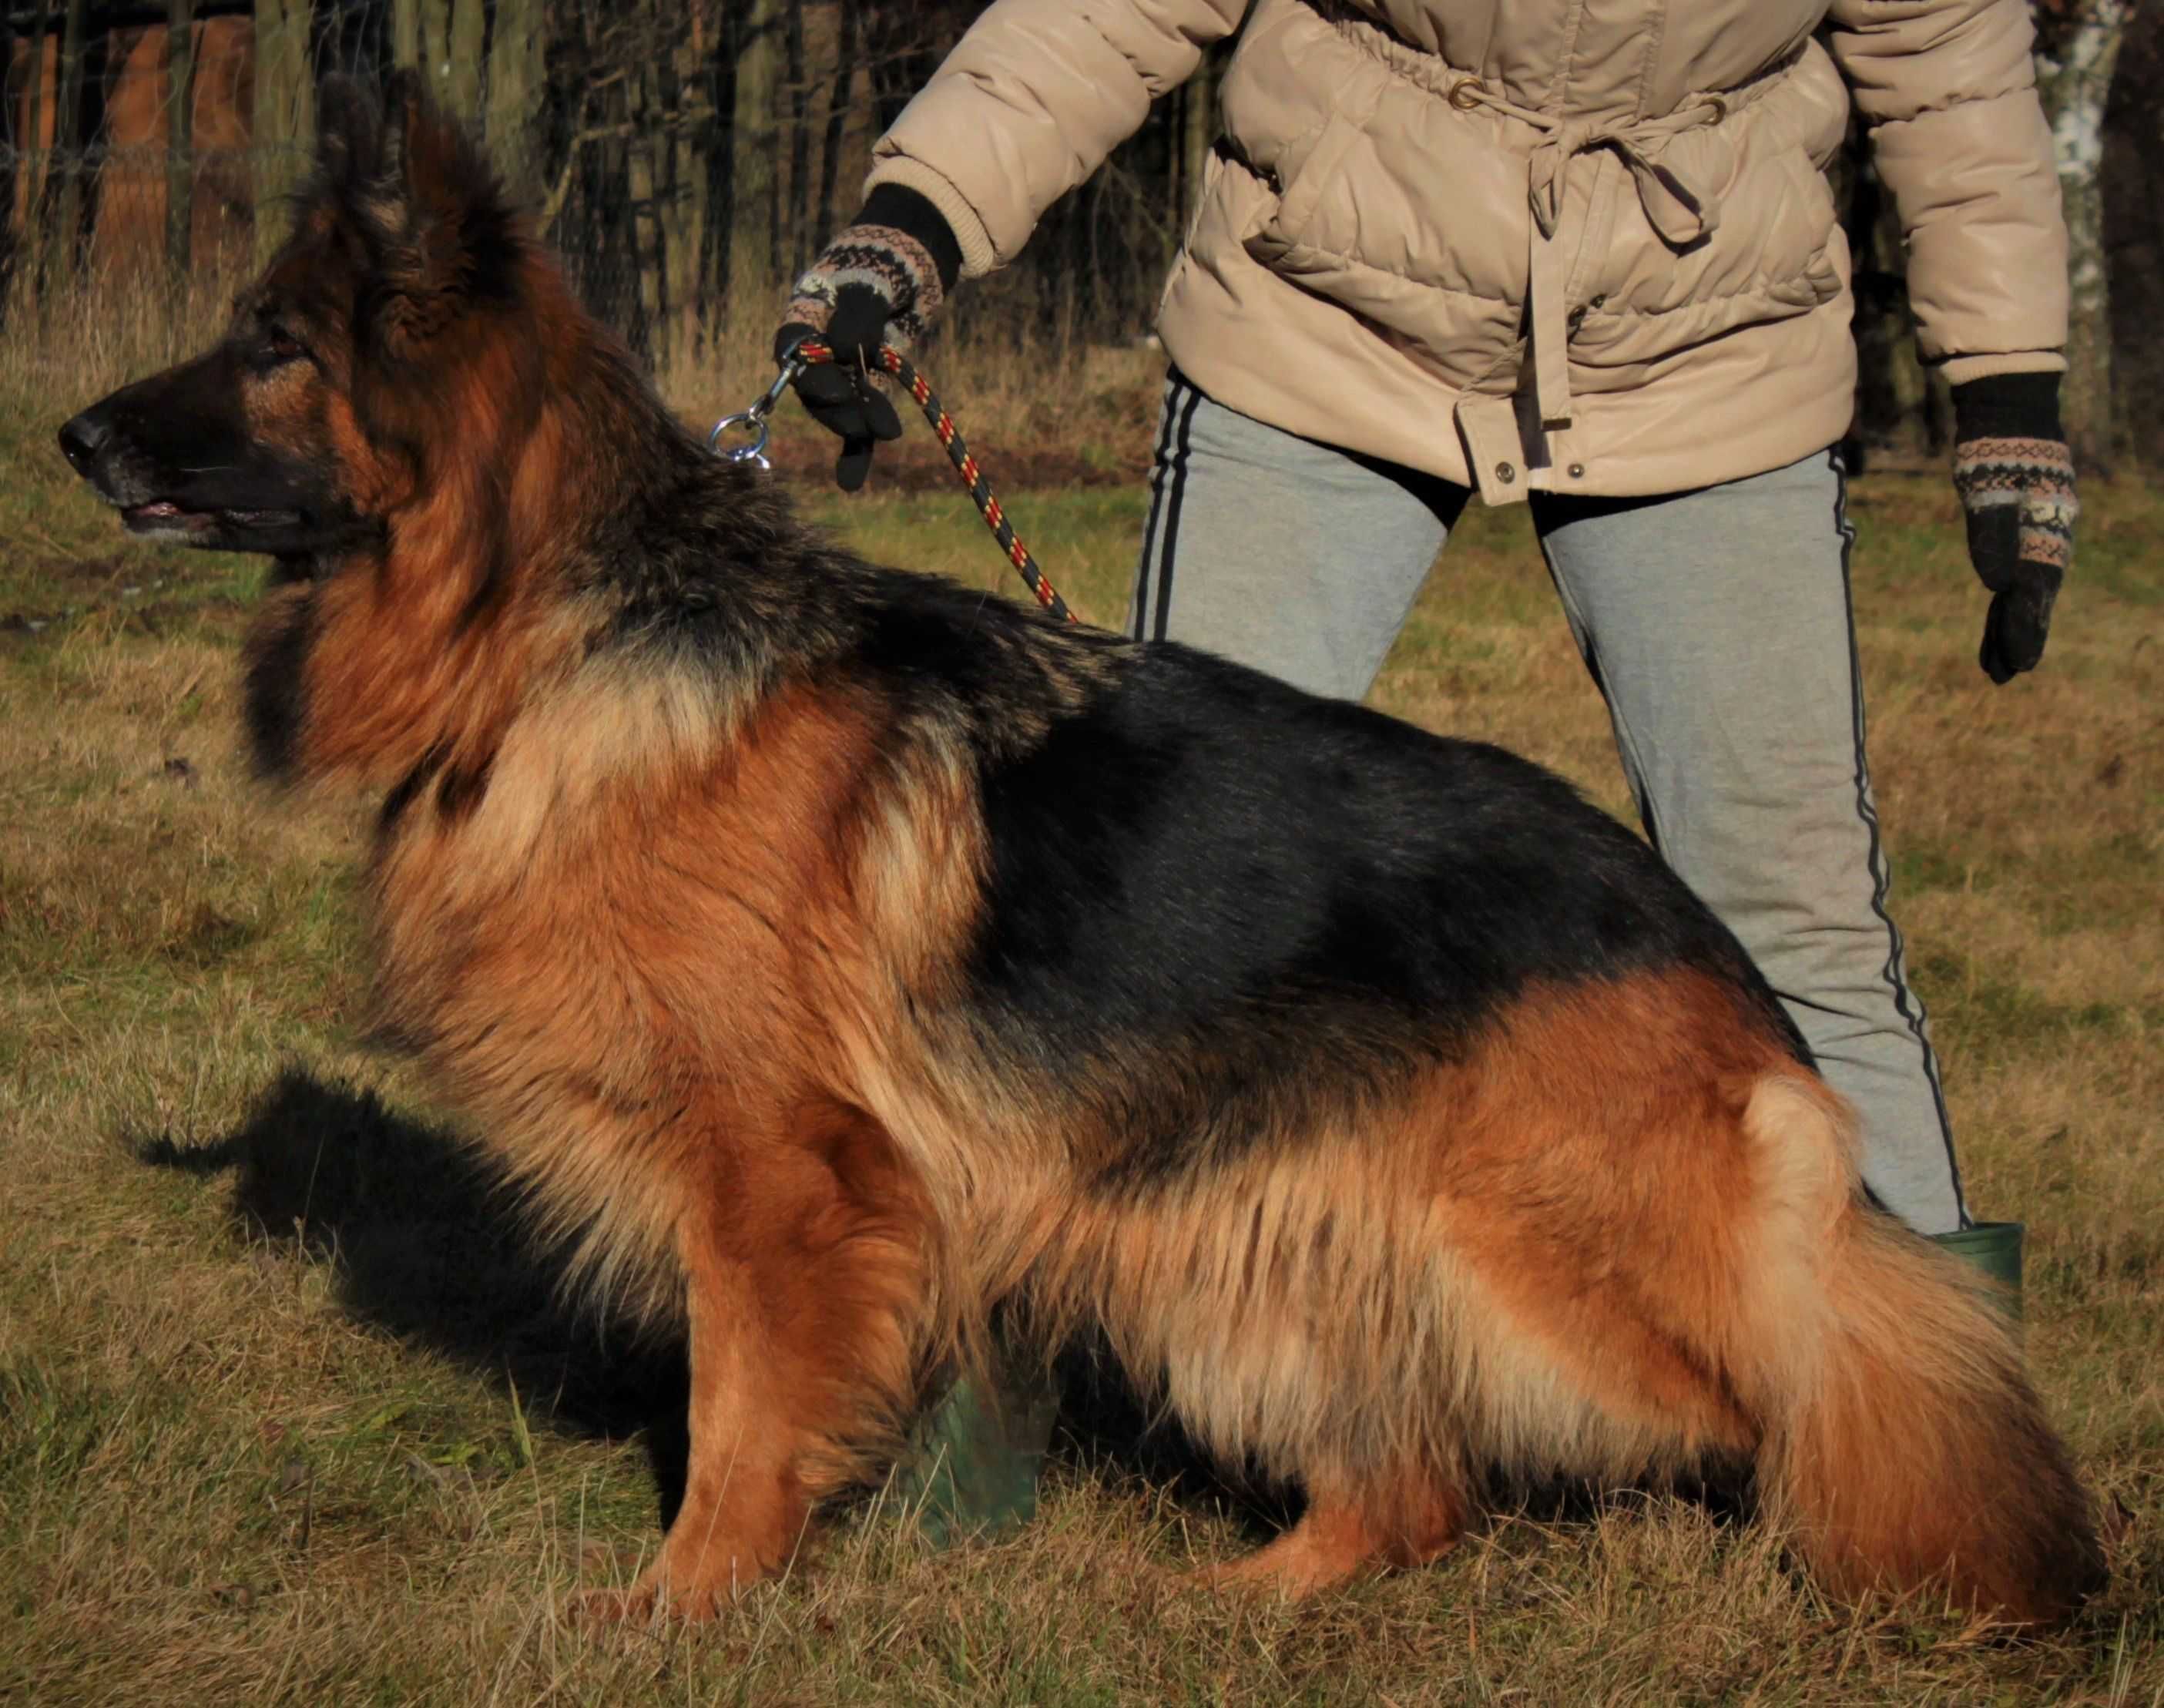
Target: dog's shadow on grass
{"type": "Point", "coordinates": [426, 1242]}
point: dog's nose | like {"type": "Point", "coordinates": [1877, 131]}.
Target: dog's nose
{"type": "Point", "coordinates": [81, 438]}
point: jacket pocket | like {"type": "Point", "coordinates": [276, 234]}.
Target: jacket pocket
{"type": "Point", "coordinates": [1303, 177]}
{"type": "Point", "coordinates": [1358, 216]}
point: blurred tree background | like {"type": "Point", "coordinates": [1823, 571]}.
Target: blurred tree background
{"type": "Point", "coordinates": [687, 154]}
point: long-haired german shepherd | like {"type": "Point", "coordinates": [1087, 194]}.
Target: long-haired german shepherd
{"type": "Point", "coordinates": [836, 954]}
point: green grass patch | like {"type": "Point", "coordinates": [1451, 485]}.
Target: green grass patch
{"type": "Point", "coordinates": [1987, 1016]}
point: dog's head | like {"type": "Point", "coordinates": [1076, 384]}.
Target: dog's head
{"type": "Point", "coordinates": [310, 422]}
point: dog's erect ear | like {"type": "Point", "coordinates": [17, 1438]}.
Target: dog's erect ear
{"type": "Point", "coordinates": [349, 133]}
{"type": "Point", "coordinates": [437, 222]}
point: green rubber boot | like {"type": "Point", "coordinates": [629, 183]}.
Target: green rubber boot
{"type": "Point", "coordinates": [976, 1459]}
{"type": "Point", "coordinates": [1994, 1248]}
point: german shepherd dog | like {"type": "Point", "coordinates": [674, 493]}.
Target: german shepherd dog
{"type": "Point", "coordinates": [836, 955]}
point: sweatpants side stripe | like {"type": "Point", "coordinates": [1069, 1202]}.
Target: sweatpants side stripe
{"type": "Point", "coordinates": [1171, 549]}
{"type": "Point", "coordinates": [1159, 477]}
{"type": "Point", "coordinates": [1905, 1004]}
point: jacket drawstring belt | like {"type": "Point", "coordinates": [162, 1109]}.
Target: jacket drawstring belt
{"type": "Point", "coordinates": [1679, 212]}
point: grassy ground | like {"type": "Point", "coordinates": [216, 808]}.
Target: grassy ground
{"type": "Point", "coordinates": [286, 1414]}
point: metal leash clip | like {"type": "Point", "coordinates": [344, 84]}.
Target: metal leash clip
{"type": "Point", "coordinates": [754, 419]}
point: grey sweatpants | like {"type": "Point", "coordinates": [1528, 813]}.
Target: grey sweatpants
{"type": "Point", "coordinates": [1717, 624]}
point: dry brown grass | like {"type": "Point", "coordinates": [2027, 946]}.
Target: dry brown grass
{"type": "Point", "coordinates": [285, 1413]}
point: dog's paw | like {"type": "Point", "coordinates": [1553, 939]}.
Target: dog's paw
{"type": "Point", "coordinates": [651, 1600]}
{"type": "Point", "coordinates": [598, 1610]}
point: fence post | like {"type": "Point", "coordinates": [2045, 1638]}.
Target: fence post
{"type": "Point", "coordinates": [285, 114]}
{"type": "Point", "coordinates": [180, 138]}
{"type": "Point", "coordinates": [38, 164]}
{"type": "Point", "coordinates": [63, 222]}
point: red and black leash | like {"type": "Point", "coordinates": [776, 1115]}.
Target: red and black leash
{"type": "Point", "coordinates": [811, 354]}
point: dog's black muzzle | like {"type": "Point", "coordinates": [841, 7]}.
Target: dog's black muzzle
{"type": "Point", "coordinates": [172, 456]}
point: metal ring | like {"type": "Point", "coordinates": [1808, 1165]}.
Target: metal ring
{"type": "Point", "coordinates": [1719, 108]}
{"type": "Point", "coordinates": [1466, 92]}
{"type": "Point", "coordinates": [753, 418]}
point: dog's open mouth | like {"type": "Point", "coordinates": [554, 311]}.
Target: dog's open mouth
{"type": "Point", "coordinates": [162, 516]}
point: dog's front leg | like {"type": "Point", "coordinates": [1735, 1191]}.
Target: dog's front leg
{"type": "Point", "coordinates": [743, 1511]}
{"type": "Point", "coordinates": [803, 1258]}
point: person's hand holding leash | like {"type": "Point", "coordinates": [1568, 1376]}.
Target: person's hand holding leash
{"type": "Point", "coordinates": [880, 281]}
{"type": "Point", "coordinates": [2015, 476]}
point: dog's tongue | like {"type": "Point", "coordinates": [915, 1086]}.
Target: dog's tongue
{"type": "Point", "coordinates": [164, 510]}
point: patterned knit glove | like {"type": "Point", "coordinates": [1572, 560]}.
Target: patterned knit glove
{"type": "Point", "coordinates": [2015, 477]}
{"type": "Point", "coordinates": [880, 281]}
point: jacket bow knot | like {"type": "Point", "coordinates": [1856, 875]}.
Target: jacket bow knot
{"type": "Point", "coordinates": [1682, 212]}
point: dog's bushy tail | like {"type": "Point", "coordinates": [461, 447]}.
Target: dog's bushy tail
{"type": "Point", "coordinates": [1905, 1448]}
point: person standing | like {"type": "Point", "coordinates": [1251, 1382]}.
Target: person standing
{"type": "Point", "coordinates": [1577, 254]}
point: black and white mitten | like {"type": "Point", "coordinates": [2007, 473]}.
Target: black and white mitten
{"type": "Point", "coordinates": [880, 281]}
{"type": "Point", "coordinates": [2015, 476]}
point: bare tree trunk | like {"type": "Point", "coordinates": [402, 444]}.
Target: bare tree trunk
{"type": "Point", "coordinates": [719, 263]}
{"type": "Point", "coordinates": [848, 38]}
{"type": "Point", "coordinates": [901, 52]}
{"type": "Point", "coordinates": [465, 53]}
{"type": "Point", "coordinates": [446, 41]}
{"type": "Point", "coordinates": [11, 148]}
{"type": "Point", "coordinates": [435, 61]}
{"type": "Point", "coordinates": [518, 84]}
{"type": "Point", "coordinates": [33, 132]}
{"type": "Point", "coordinates": [63, 209]}
{"type": "Point", "coordinates": [645, 223]}
{"type": "Point", "coordinates": [686, 205]}
{"type": "Point", "coordinates": [180, 138]}
{"type": "Point", "coordinates": [1893, 401]}
{"type": "Point", "coordinates": [754, 242]}
{"type": "Point", "coordinates": [2134, 226]}
{"type": "Point", "coordinates": [769, 121]}
{"type": "Point", "coordinates": [800, 143]}
{"type": "Point", "coordinates": [285, 115]}
{"type": "Point", "coordinates": [2077, 52]}
{"type": "Point", "coordinates": [406, 33]}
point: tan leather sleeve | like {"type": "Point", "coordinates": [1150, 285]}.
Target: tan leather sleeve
{"type": "Point", "coordinates": [1949, 89]}
{"type": "Point", "coordinates": [1031, 100]}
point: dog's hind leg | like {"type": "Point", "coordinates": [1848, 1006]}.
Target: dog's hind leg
{"type": "Point", "coordinates": [1352, 1525]}
{"type": "Point", "coordinates": [802, 1260]}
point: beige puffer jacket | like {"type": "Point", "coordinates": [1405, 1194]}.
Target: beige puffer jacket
{"type": "Point", "coordinates": [1585, 245]}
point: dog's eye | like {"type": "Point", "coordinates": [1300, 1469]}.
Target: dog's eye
{"type": "Point", "coordinates": [284, 347]}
